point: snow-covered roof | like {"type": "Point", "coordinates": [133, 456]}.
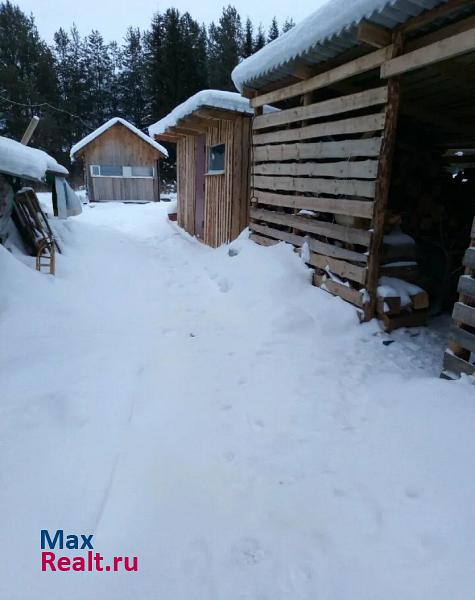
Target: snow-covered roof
{"type": "Point", "coordinates": [23, 161]}
{"type": "Point", "coordinates": [205, 99]}
{"type": "Point", "coordinates": [324, 34]}
{"type": "Point", "coordinates": [100, 130]}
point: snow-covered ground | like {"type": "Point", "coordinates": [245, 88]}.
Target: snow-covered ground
{"type": "Point", "coordinates": [232, 426]}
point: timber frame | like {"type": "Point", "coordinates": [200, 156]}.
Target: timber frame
{"type": "Point", "coordinates": [321, 167]}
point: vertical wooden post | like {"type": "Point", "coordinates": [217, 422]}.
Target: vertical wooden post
{"type": "Point", "coordinates": [383, 183]}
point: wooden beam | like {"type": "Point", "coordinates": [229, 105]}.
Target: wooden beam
{"type": "Point", "coordinates": [335, 187]}
{"type": "Point", "coordinates": [374, 35]}
{"type": "Point", "coordinates": [364, 124]}
{"type": "Point", "coordinates": [383, 183]}
{"type": "Point", "coordinates": [357, 66]}
{"type": "Point", "coordinates": [343, 169]}
{"type": "Point", "coordinates": [314, 245]}
{"type": "Point", "coordinates": [30, 130]}
{"type": "Point", "coordinates": [185, 130]}
{"type": "Point", "coordinates": [430, 16]}
{"type": "Point", "coordinates": [338, 289]}
{"type": "Point", "coordinates": [166, 137]}
{"type": "Point", "coordinates": [335, 206]}
{"type": "Point", "coordinates": [442, 50]}
{"type": "Point", "coordinates": [299, 151]}
{"type": "Point", "coordinates": [351, 235]}
{"type": "Point", "coordinates": [220, 114]}
{"type": "Point", "coordinates": [439, 34]}
{"type": "Point", "coordinates": [335, 106]}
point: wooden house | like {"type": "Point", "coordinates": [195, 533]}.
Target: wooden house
{"type": "Point", "coordinates": [120, 163]}
{"type": "Point", "coordinates": [211, 131]}
{"type": "Point", "coordinates": [370, 161]}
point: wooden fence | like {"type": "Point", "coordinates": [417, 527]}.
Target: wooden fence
{"type": "Point", "coordinates": [461, 349]}
{"type": "Point", "coordinates": [314, 181]}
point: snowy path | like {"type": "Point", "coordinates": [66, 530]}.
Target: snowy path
{"type": "Point", "coordinates": [229, 424]}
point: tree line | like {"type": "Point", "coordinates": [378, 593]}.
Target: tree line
{"type": "Point", "coordinates": [78, 82]}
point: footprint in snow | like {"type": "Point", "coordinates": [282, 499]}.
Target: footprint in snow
{"type": "Point", "coordinates": [247, 552]}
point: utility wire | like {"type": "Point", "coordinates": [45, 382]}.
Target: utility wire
{"type": "Point", "coordinates": [42, 105]}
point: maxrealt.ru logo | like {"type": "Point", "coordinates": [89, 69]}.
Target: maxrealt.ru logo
{"type": "Point", "coordinates": [88, 561]}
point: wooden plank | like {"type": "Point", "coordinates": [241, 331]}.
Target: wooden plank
{"type": "Point", "coordinates": [467, 285]}
{"type": "Point", "coordinates": [374, 35]}
{"type": "Point", "coordinates": [383, 183]}
{"type": "Point", "coordinates": [300, 151]}
{"type": "Point", "coordinates": [336, 206]}
{"type": "Point", "coordinates": [338, 267]}
{"type": "Point", "coordinates": [348, 187]}
{"type": "Point", "coordinates": [464, 314]}
{"type": "Point", "coordinates": [443, 32]}
{"type": "Point", "coordinates": [456, 365]}
{"type": "Point", "coordinates": [337, 289]}
{"type": "Point", "coordinates": [416, 318]}
{"type": "Point", "coordinates": [313, 244]}
{"type": "Point", "coordinates": [469, 258]}
{"type": "Point", "coordinates": [450, 47]}
{"type": "Point", "coordinates": [262, 240]}
{"type": "Point", "coordinates": [464, 338]}
{"type": "Point", "coordinates": [364, 169]}
{"type": "Point", "coordinates": [326, 108]}
{"type": "Point", "coordinates": [350, 235]}
{"type": "Point", "coordinates": [430, 16]}
{"type": "Point", "coordinates": [349, 126]}
{"type": "Point", "coordinates": [354, 67]}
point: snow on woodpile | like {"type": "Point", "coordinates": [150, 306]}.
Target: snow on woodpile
{"type": "Point", "coordinates": [327, 32]}
{"type": "Point", "coordinates": [100, 130]}
{"type": "Point", "coordinates": [206, 98]}
{"type": "Point", "coordinates": [23, 161]}
{"type": "Point", "coordinates": [392, 287]}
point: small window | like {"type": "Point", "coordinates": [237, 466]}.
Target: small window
{"type": "Point", "coordinates": [95, 170]}
{"type": "Point", "coordinates": [216, 159]}
{"type": "Point", "coordinates": [127, 171]}
{"type": "Point", "coordinates": [111, 170]}
{"type": "Point", "coordinates": [142, 171]}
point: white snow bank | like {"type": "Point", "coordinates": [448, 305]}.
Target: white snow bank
{"type": "Point", "coordinates": [206, 98]}
{"type": "Point", "coordinates": [23, 161]}
{"type": "Point", "coordinates": [236, 429]}
{"type": "Point", "coordinates": [332, 19]}
{"type": "Point", "coordinates": [100, 130]}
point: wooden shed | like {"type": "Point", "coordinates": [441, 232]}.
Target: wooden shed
{"type": "Point", "coordinates": [211, 131]}
{"type": "Point", "coordinates": [371, 160]}
{"type": "Point", "coordinates": [120, 163]}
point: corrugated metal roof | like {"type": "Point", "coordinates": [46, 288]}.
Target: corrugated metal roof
{"type": "Point", "coordinates": [323, 35]}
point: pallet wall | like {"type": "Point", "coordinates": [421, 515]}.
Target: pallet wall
{"type": "Point", "coordinates": [314, 171]}
{"type": "Point", "coordinates": [458, 357]}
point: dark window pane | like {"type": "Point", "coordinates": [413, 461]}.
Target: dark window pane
{"type": "Point", "coordinates": [111, 170]}
{"type": "Point", "coordinates": [216, 158]}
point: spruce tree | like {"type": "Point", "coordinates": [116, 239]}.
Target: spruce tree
{"type": "Point", "coordinates": [225, 48]}
{"type": "Point", "coordinates": [273, 30]}
{"type": "Point", "coordinates": [27, 76]}
{"type": "Point", "coordinates": [248, 42]}
{"type": "Point", "coordinates": [260, 40]}
{"type": "Point", "coordinates": [132, 96]}
{"type": "Point", "coordinates": [288, 24]}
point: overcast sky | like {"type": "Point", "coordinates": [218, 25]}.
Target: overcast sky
{"type": "Point", "coordinates": [113, 17]}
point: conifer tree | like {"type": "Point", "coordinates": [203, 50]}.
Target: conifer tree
{"type": "Point", "coordinates": [260, 40]}
{"type": "Point", "coordinates": [273, 30]}
{"type": "Point", "coordinates": [248, 42]}
{"type": "Point", "coordinates": [288, 24]}
{"type": "Point", "coordinates": [133, 98]}
{"type": "Point", "coordinates": [225, 48]}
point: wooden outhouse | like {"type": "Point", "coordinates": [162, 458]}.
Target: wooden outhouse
{"type": "Point", "coordinates": [370, 162]}
{"type": "Point", "coordinates": [211, 131]}
{"type": "Point", "coordinates": [120, 163]}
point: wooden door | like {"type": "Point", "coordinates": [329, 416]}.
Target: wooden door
{"type": "Point", "coordinates": [200, 186]}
